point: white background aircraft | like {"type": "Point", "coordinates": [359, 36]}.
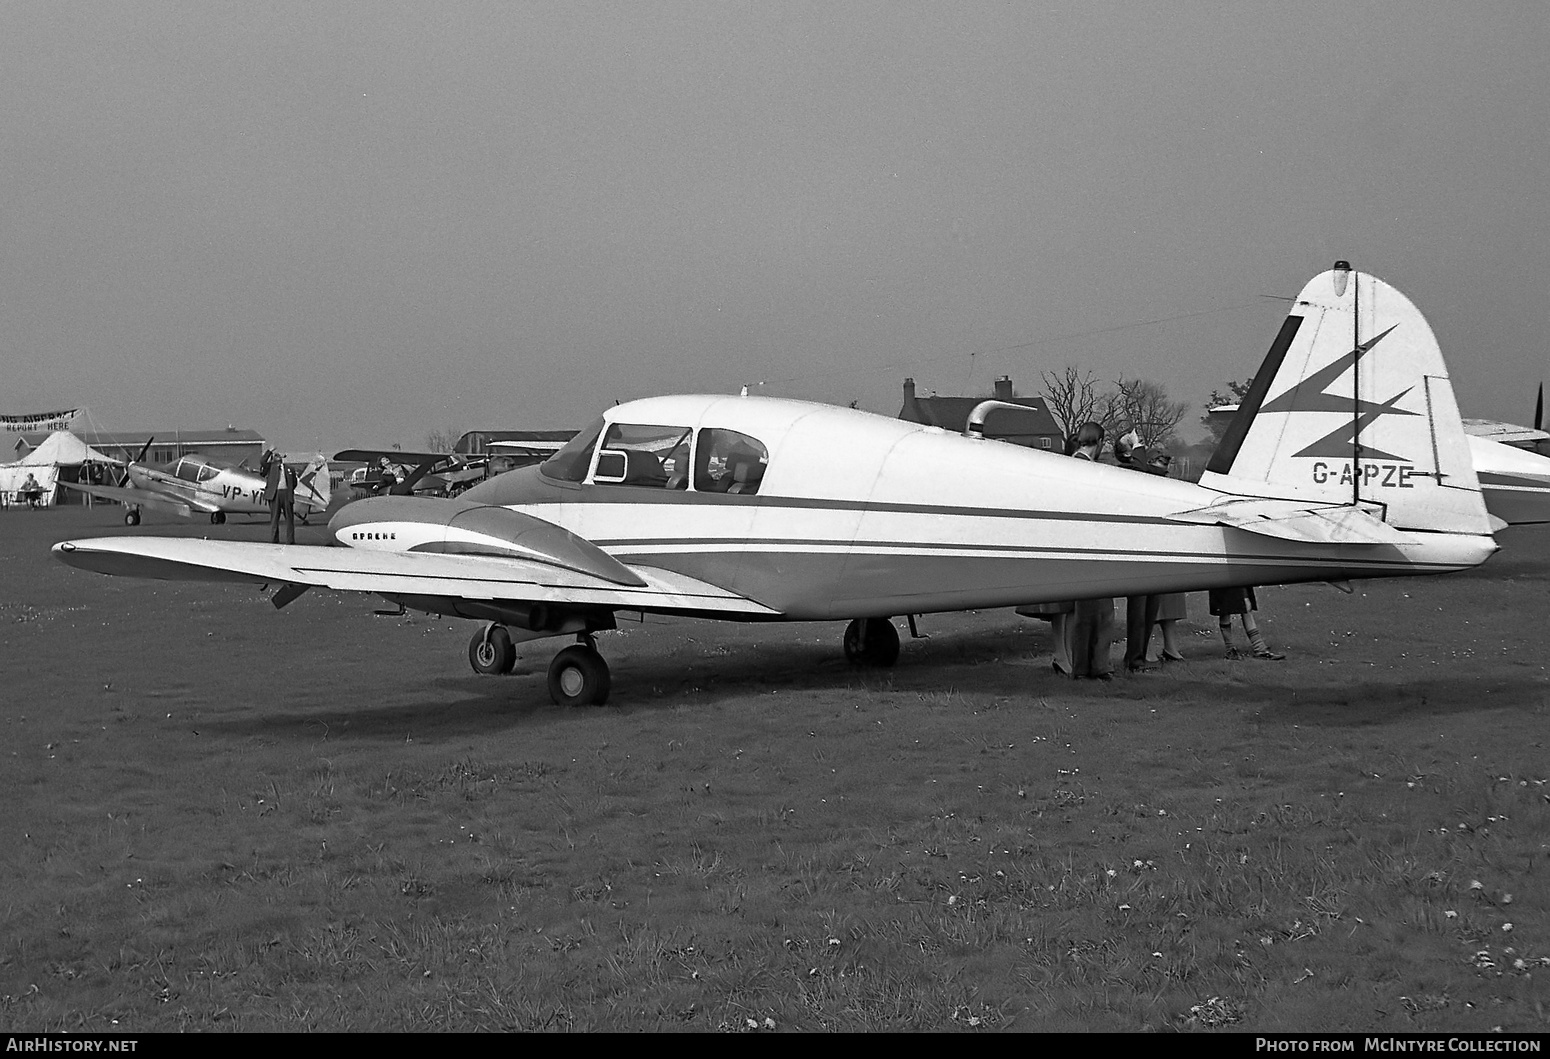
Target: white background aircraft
{"type": "Point", "coordinates": [194, 483]}
{"type": "Point", "coordinates": [1347, 460]}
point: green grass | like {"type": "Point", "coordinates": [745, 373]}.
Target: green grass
{"type": "Point", "coordinates": [223, 817]}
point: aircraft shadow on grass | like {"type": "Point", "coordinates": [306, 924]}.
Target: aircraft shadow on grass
{"type": "Point", "coordinates": [972, 661]}
{"type": "Point", "coordinates": [461, 706]}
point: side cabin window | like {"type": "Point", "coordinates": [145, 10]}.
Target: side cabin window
{"type": "Point", "coordinates": [574, 458]}
{"type": "Point", "coordinates": [206, 472]}
{"type": "Point", "coordinates": [188, 470]}
{"type": "Point", "coordinates": [656, 457]}
{"type": "Point", "coordinates": [726, 461]}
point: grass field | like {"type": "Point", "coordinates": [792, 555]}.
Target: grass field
{"type": "Point", "coordinates": [221, 816]}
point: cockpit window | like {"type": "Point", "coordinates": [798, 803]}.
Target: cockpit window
{"type": "Point", "coordinates": [571, 463]}
{"type": "Point", "coordinates": [187, 470]}
{"type": "Point", "coordinates": [654, 456]}
{"type": "Point", "coordinates": [206, 472]}
{"type": "Point", "coordinates": [728, 462]}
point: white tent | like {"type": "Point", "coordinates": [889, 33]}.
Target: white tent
{"type": "Point", "coordinates": [61, 449]}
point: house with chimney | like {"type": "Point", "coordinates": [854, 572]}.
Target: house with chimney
{"type": "Point", "coordinates": [1030, 424]}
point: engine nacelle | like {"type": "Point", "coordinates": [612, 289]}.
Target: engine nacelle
{"type": "Point", "coordinates": [460, 527]}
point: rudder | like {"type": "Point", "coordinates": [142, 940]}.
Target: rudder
{"type": "Point", "coordinates": [313, 486]}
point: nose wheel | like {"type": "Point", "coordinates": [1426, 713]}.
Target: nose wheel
{"type": "Point", "coordinates": [491, 651]}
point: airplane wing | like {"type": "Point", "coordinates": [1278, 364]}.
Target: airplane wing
{"type": "Point", "coordinates": [474, 578]}
{"type": "Point", "coordinates": [145, 498]}
{"type": "Point", "coordinates": [1294, 521]}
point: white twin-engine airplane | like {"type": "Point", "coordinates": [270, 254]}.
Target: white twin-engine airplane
{"type": "Point", "coordinates": [193, 483]}
{"type": "Point", "coordinates": [1348, 460]}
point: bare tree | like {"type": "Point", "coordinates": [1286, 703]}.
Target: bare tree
{"type": "Point", "coordinates": [1071, 397]}
{"type": "Point", "coordinates": [1145, 408]}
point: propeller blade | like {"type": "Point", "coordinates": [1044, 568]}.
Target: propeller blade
{"type": "Point", "coordinates": [144, 449]}
{"type": "Point", "coordinates": [1539, 409]}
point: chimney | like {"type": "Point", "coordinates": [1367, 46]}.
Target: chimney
{"type": "Point", "coordinates": [1004, 388]}
{"type": "Point", "coordinates": [909, 389]}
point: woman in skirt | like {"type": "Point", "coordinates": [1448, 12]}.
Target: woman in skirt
{"type": "Point", "coordinates": [1225, 602]}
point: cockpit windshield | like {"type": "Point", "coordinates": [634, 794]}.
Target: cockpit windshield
{"type": "Point", "coordinates": [192, 469]}
{"type": "Point", "coordinates": [573, 460]}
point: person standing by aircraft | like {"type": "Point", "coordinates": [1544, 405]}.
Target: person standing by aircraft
{"type": "Point", "coordinates": [1058, 613]}
{"type": "Point", "coordinates": [1092, 622]}
{"type": "Point", "coordinates": [280, 491]}
{"type": "Point", "coordinates": [1172, 607]}
{"type": "Point", "coordinates": [1225, 602]}
{"type": "Point", "coordinates": [1140, 611]}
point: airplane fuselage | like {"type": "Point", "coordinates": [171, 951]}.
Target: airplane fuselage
{"type": "Point", "coordinates": [224, 488]}
{"type": "Point", "coordinates": [857, 515]}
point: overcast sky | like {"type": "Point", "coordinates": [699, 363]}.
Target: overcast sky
{"type": "Point", "coordinates": [347, 223]}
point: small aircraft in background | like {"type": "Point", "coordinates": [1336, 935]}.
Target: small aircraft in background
{"type": "Point", "coordinates": [397, 473]}
{"type": "Point", "coordinates": [194, 483]}
{"type": "Point", "coordinates": [1346, 460]}
{"type": "Point", "coordinates": [392, 472]}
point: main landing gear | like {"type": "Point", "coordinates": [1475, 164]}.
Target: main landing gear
{"type": "Point", "coordinates": [217, 518]}
{"type": "Point", "coordinates": [871, 642]}
{"type": "Point", "coordinates": [578, 676]}
{"type": "Point", "coordinates": [132, 517]}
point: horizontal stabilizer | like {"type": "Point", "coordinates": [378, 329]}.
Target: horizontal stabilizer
{"type": "Point", "coordinates": [1291, 521]}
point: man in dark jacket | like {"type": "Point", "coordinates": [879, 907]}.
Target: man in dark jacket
{"type": "Point", "coordinates": [280, 492]}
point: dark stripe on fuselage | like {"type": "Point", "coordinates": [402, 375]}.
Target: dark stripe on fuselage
{"type": "Point", "coordinates": [1238, 429]}
{"type": "Point", "coordinates": [638, 495]}
{"type": "Point", "coordinates": [645, 551]}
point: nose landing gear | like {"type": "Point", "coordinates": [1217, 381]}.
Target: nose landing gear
{"type": "Point", "coordinates": [491, 651]}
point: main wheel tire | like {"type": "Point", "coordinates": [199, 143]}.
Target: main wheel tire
{"type": "Point", "coordinates": [492, 653]}
{"type": "Point", "coordinates": [217, 518]}
{"type": "Point", "coordinates": [871, 642]}
{"type": "Point", "coordinates": [578, 676]}
{"type": "Point", "coordinates": [131, 518]}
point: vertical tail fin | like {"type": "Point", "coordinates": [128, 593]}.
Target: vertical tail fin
{"type": "Point", "coordinates": [1353, 405]}
{"type": "Point", "coordinates": [313, 486]}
